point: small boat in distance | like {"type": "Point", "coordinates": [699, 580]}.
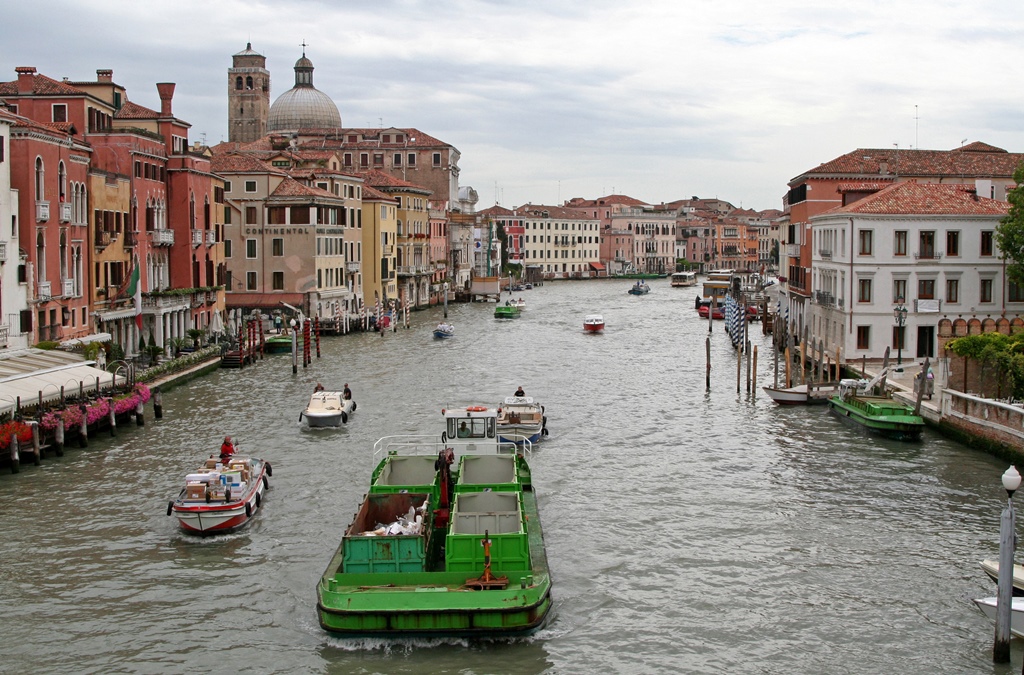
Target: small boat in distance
{"type": "Point", "coordinates": [717, 313]}
{"type": "Point", "coordinates": [520, 303]}
{"type": "Point", "coordinates": [593, 323]}
{"type": "Point", "coordinates": [281, 344]}
{"type": "Point", "coordinates": [639, 288]}
{"type": "Point", "coordinates": [682, 279]}
{"type": "Point", "coordinates": [802, 394]}
{"type": "Point", "coordinates": [520, 419]}
{"type": "Point", "coordinates": [506, 311]}
{"type": "Point", "coordinates": [222, 495]}
{"type": "Point", "coordinates": [328, 409]}
{"type": "Point", "coordinates": [444, 330]}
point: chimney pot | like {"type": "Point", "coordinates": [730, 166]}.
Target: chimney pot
{"type": "Point", "coordinates": [105, 75]}
{"type": "Point", "coordinates": [26, 78]}
{"type": "Point", "coordinates": [166, 91]}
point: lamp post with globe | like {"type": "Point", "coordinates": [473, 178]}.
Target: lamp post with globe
{"type": "Point", "coordinates": [1007, 534]}
{"type": "Point", "coordinates": [900, 314]}
{"type": "Point", "coordinates": [295, 349]}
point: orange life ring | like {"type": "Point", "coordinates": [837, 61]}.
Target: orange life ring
{"type": "Point", "coordinates": [476, 408]}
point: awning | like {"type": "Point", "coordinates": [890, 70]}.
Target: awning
{"type": "Point", "coordinates": [29, 373]}
{"type": "Point", "coordinates": [596, 266]}
{"type": "Point", "coordinates": [86, 339]}
{"type": "Point", "coordinates": [116, 314]}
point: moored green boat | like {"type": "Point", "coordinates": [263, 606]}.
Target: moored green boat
{"type": "Point", "coordinates": [462, 553]}
{"type": "Point", "coordinates": [281, 344]}
{"type": "Point", "coordinates": [880, 414]}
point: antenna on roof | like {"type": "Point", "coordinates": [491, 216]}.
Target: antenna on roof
{"type": "Point", "coordinates": [917, 142]}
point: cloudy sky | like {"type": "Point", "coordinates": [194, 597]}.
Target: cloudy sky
{"type": "Point", "coordinates": [552, 99]}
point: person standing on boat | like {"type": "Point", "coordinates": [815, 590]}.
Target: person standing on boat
{"type": "Point", "coordinates": [227, 448]}
{"type": "Point", "coordinates": [347, 393]}
{"type": "Point", "coordinates": [520, 392]}
{"type": "Point", "coordinates": [318, 387]}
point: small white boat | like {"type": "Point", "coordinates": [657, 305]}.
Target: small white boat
{"type": "Point", "coordinates": [222, 495]}
{"type": "Point", "coordinates": [593, 323]}
{"type": "Point", "coordinates": [328, 409]}
{"type": "Point", "coordinates": [988, 607]}
{"type": "Point", "coordinates": [444, 330]}
{"type": "Point", "coordinates": [520, 418]}
{"type": "Point", "coordinates": [991, 568]}
{"type": "Point", "coordinates": [801, 394]}
{"type": "Point", "coordinates": [520, 303]}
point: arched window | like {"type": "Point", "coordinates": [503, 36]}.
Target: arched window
{"type": "Point", "coordinates": [248, 82]}
{"type": "Point", "coordinates": [238, 82]}
{"type": "Point", "coordinates": [64, 256]}
{"type": "Point", "coordinates": [39, 180]}
{"type": "Point", "coordinates": [62, 182]}
{"type": "Point", "coordinates": [40, 258]}
{"type": "Point", "coordinates": [192, 211]}
{"type": "Point", "coordinates": [206, 213]}
{"type": "Point", "coordinates": [78, 263]}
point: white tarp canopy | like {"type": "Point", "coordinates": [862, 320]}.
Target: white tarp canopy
{"type": "Point", "coordinates": [26, 373]}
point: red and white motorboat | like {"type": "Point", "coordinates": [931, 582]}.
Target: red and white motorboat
{"type": "Point", "coordinates": [221, 496]}
{"type": "Point", "coordinates": [593, 323]}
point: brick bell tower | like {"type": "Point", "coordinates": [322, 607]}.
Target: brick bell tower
{"type": "Point", "coordinates": [248, 96]}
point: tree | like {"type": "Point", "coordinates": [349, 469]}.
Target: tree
{"type": "Point", "coordinates": [1010, 231]}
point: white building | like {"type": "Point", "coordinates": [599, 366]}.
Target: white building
{"type": "Point", "coordinates": [928, 247]}
{"type": "Point", "coordinates": [13, 290]}
{"type": "Point", "coordinates": [564, 243]}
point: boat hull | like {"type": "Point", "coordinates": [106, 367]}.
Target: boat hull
{"type": "Point", "coordinates": [224, 516]}
{"type": "Point", "coordinates": [506, 312]}
{"type": "Point", "coordinates": [440, 334]}
{"type": "Point", "coordinates": [437, 603]}
{"type": "Point", "coordinates": [791, 396]}
{"type": "Point", "coordinates": [991, 568]}
{"type": "Point", "coordinates": [988, 607]}
{"type": "Point", "coordinates": [593, 327]}
{"type": "Point", "coordinates": [879, 415]}
{"type": "Point", "coordinates": [280, 345]}
{"type": "Point", "coordinates": [328, 409]}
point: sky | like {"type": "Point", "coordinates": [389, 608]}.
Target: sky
{"type": "Point", "coordinates": [547, 100]}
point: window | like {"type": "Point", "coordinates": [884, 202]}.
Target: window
{"type": "Point", "coordinates": [378, 159]}
{"type": "Point", "coordinates": [397, 159]}
{"type": "Point", "coordinates": [953, 290]}
{"type": "Point", "coordinates": [278, 247]}
{"type": "Point", "coordinates": [864, 290]}
{"type": "Point", "coordinates": [250, 248]}
{"type": "Point", "coordinates": [411, 159]}
{"type": "Point", "coordinates": [278, 281]}
{"type": "Point", "coordinates": [899, 290]}
{"type": "Point", "coordinates": [953, 242]}
{"type": "Point", "coordinates": [900, 245]}
{"type": "Point", "coordinates": [927, 244]}
{"type": "Point", "coordinates": [986, 290]}
{"type": "Point", "coordinates": [437, 159]}
{"type": "Point", "coordinates": [926, 289]}
{"type": "Point", "coordinates": [40, 189]}
{"type": "Point", "coordinates": [60, 112]}
{"type": "Point", "coordinates": [986, 242]}
{"type": "Point", "coordinates": [250, 281]}
{"type": "Point", "coordinates": [227, 248]}
{"type": "Point", "coordinates": [227, 186]}
{"type": "Point", "coordinates": [364, 159]}
{"type": "Point", "coordinates": [250, 215]}
{"type": "Point", "coordinates": [250, 186]}
{"type": "Point", "coordinates": [863, 337]}
{"type": "Point", "coordinates": [1014, 293]}
{"type": "Point", "coordinates": [899, 335]}
{"type": "Point", "coordinates": [865, 237]}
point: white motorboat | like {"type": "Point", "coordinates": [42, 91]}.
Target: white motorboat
{"type": "Point", "coordinates": [444, 330]}
{"type": "Point", "coordinates": [520, 418]}
{"type": "Point", "coordinates": [988, 607]}
{"type": "Point", "coordinates": [222, 495]}
{"type": "Point", "coordinates": [801, 394]}
{"type": "Point", "coordinates": [328, 409]}
{"type": "Point", "coordinates": [991, 568]}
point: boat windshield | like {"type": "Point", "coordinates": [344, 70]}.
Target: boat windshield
{"type": "Point", "coordinates": [471, 427]}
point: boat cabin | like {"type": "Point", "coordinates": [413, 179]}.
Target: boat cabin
{"type": "Point", "coordinates": [684, 279]}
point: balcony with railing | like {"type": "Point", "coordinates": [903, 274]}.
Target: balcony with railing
{"type": "Point", "coordinates": [826, 299]}
{"type": "Point", "coordinates": [3, 251]}
{"type": "Point", "coordinates": [104, 238]}
{"type": "Point", "coordinates": [5, 334]}
{"type": "Point", "coordinates": [211, 237]}
{"type": "Point", "coordinates": [130, 239]}
{"type": "Point", "coordinates": [352, 266]}
{"type": "Point", "coordinates": [68, 288]}
{"type": "Point", "coordinates": [42, 211]}
{"type": "Point", "coordinates": [65, 212]}
{"type": "Point", "coordinates": [928, 254]}
{"type": "Point", "coordinates": [793, 250]}
{"type": "Point", "coordinates": [825, 253]}
{"type": "Point", "coordinates": [197, 238]}
{"type": "Point", "coordinates": [43, 290]}
{"type": "Point", "coordinates": [161, 237]}
{"type": "Point", "coordinates": [164, 302]}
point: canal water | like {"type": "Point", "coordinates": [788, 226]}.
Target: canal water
{"type": "Point", "coordinates": [687, 530]}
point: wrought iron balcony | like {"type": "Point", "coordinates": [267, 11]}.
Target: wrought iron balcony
{"type": "Point", "coordinates": [928, 255]}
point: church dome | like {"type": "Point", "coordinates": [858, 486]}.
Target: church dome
{"type": "Point", "coordinates": [303, 106]}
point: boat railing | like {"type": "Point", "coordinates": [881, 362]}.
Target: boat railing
{"type": "Point", "coordinates": [413, 444]}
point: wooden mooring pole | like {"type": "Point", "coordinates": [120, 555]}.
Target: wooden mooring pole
{"type": "Point", "coordinates": [707, 351]}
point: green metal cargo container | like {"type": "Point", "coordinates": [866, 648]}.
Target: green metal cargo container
{"type": "Point", "coordinates": [388, 553]}
{"type": "Point", "coordinates": [414, 474]}
{"type": "Point", "coordinates": [500, 516]}
{"type": "Point", "coordinates": [487, 473]}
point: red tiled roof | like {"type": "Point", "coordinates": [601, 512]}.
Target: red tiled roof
{"type": "Point", "coordinates": [931, 199]}
{"type": "Point", "coordinates": [496, 211]}
{"type": "Point", "coordinates": [240, 163]}
{"type": "Point", "coordinates": [41, 86]}
{"type": "Point", "coordinates": [379, 180]}
{"type": "Point", "coordinates": [863, 186]}
{"type": "Point", "coordinates": [984, 161]}
{"type": "Point", "coordinates": [134, 111]}
{"type": "Point", "coordinates": [373, 193]}
{"type": "Point", "coordinates": [542, 211]}
{"type": "Point", "coordinates": [290, 187]}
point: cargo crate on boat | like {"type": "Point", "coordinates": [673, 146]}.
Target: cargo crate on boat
{"type": "Point", "coordinates": [412, 473]}
{"type": "Point", "coordinates": [388, 552]}
{"type": "Point", "coordinates": [487, 473]}
{"type": "Point", "coordinates": [500, 516]}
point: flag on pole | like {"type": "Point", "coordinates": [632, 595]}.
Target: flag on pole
{"type": "Point", "coordinates": [135, 290]}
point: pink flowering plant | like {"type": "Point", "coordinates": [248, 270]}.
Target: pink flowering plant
{"type": "Point", "coordinates": [97, 410]}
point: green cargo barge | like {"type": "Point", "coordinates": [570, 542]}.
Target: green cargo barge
{"type": "Point", "coordinates": [464, 553]}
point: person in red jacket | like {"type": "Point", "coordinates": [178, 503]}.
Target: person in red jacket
{"type": "Point", "coordinates": [227, 448]}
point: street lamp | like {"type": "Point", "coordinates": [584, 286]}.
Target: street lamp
{"type": "Point", "coordinates": [1007, 534]}
{"type": "Point", "coordinates": [900, 313]}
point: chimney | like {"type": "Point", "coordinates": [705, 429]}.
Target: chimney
{"type": "Point", "coordinates": [166, 90]}
{"type": "Point", "coordinates": [26, 78]}
{"type": "Point", "coordinates": [105, 75]}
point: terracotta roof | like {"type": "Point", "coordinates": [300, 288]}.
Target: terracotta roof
{"type": "Point", "coordinates": [863, 186]}
{"type": "Point", "coordinates": [543, 211]}
{"type": "Point", "coordinates": [134, 111]}
{"type": "Point", "coordinates": [496, 211]}
{"type": "Point", "coordinates": [931, 199]}
{"type": "Point", "coordinates": [379, 180]}
{"type": "Point", "coordinates": [241, 163]}
{"type": "Point", "coordinates": [984, 161]}
{"type": "Point", "coordinates": [41, 86]}
{"type": "Point", "coordinates": [290, 187]}
{"type": "Point", "coordinates": [373, 193]}
{"type": "Point", "coordinates": [624, 200]}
